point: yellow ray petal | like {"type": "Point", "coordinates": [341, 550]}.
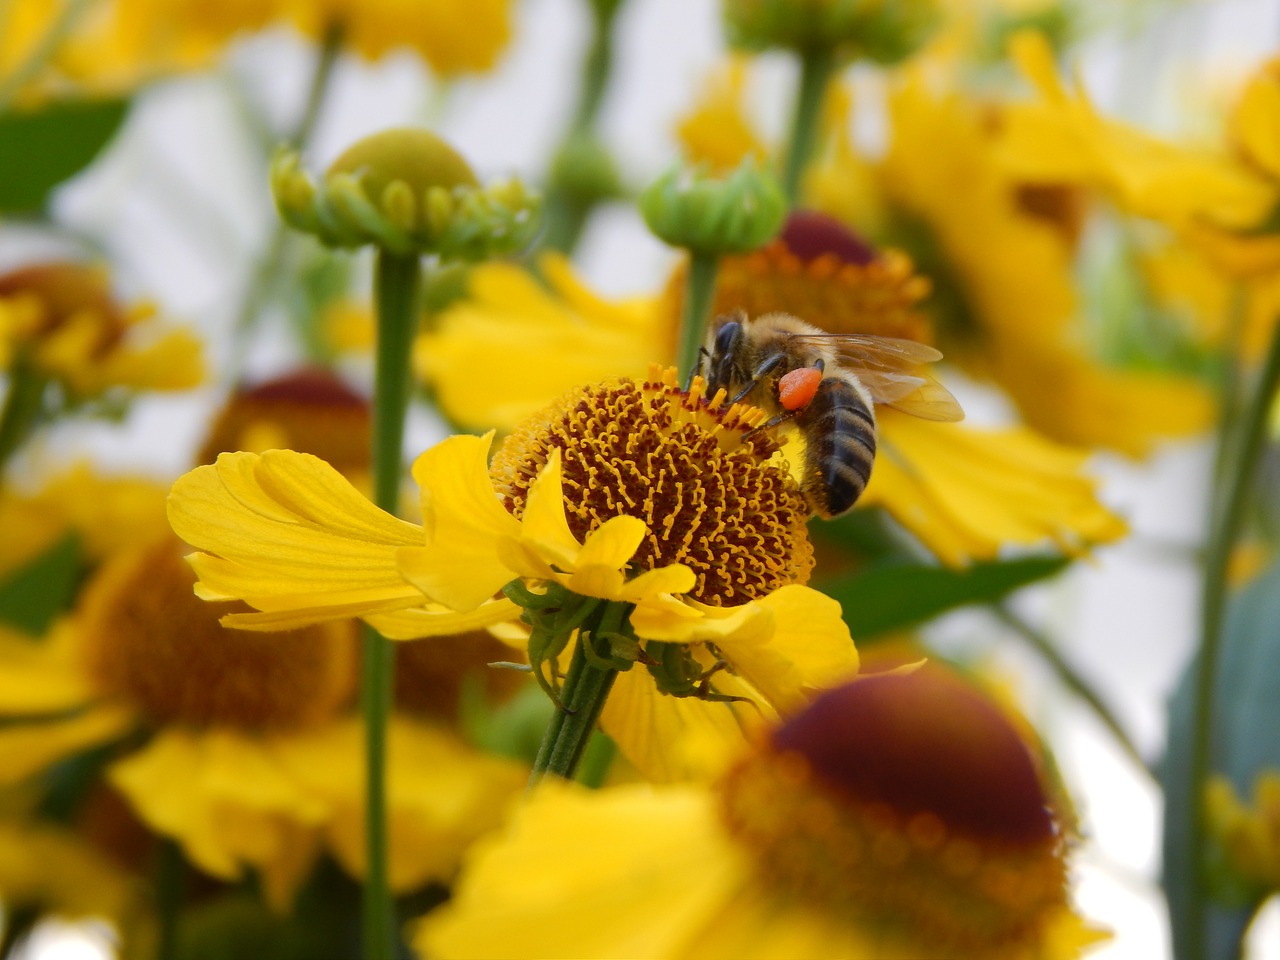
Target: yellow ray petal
{"type": "Point", "coordinates": [585, 904]}
{"type": "Point", "coordinates": [544, 526]}
{"type": "Point", "coordinates": [223, 797]}
{"type": "Point", "coordinates": [30, 747]}
{"type": "Point", "coordinates": [808, 649]}
{"type": "Point", "coordinates": [285, 531]}
{"type": "Point", "coordinates": [441, 795]}
{"type": "Point", "coordinates": [966, 492]}
{"type": "Point", "coordinates": [436, 621]}
{"type": "Point", "coordinates": [670, 739]}
{"type": "Point", "coordinates": [460, 567]}
{"type": "Point", "coordinates": [42, 676]}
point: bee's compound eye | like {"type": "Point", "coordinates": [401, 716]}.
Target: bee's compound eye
{"type": "Point", "coordinates": [797, 387]}
{"type": "Point", "coordinates": [727, 337]}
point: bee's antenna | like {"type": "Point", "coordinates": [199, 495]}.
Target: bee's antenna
{"type": "Point", "coordinates": [703, 356]}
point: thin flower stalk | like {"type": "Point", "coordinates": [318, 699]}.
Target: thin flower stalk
{"type": "Point", "coordinates": [699, 292]}
{"type": "Point", "coordinates": [1224, 532]}
{"type": "Point", "coordinates": [816, 69]}
{"type": "Point", "coordinates": [397, 284]}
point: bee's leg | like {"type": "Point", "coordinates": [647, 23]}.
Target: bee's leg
{"type": "Point", "coordinates": [772, 422]}
{"type": "Point", "coordinates": [704, 355]}
{"type": "Point", "coordinates": [757, 375]}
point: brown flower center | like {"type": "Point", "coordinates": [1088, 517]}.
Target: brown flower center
{"type": "Point", "coordinates": [152, 642]}
{"type": "Point", "coordinates": [713, 497]}
{"type": "Point", "coordinates": [911, 805]}
{"type": "Point", "coordinates": [309, 410]}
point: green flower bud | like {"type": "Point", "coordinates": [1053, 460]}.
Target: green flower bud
{"type": "Point", "coordinates": [406, 191]}
{"type": "Point", "coordinates": [885, 31]}
{"type": "Point", "coordinates": [707, 214]}
{"type": "Point", "coordinates": [584, 169]}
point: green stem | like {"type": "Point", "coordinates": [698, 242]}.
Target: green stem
{"type": "Point", "coordinates": [272, 258]}
{"type": "Point", "coordinates": [697, 304]}
{"type": "Point", "coordinates": [566, 210]}
{"type": "Point", "coordinates": [1076, 683]}
{"type": "Point", "coordinates": [42, 52]}
{"type": "Point", "coordinates": [397, 281]}
{"type": "Point", "coordinates": [1223, 532]}
{"type": "Point", "coordinates": [171, 875]}
{"type": "Point", "coordinates": [23, 409]}
{"type": "Point", "coordinates": [816, 69]}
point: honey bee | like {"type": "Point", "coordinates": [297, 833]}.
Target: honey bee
{"type": "Point", "coordinates": [828, 385]}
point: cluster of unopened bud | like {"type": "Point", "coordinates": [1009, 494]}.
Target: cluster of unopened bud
{"type": "Point", "coordinates": [406, 191]}
{"type": "Point", "coordinates": [705, 213]}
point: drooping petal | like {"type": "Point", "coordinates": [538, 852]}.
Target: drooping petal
{"type": "Point", "coordinates": [284, 531]}
{"type": "Point", "coordinates": [224, 797]}
{"type": "Point", "coordinates": [808, 648]}
{"type": "Point", "coordinates": [460, 566]}
{"type": "Point", "coordinates": [543, 527]}
{"type": "Point", "coordinates": [441, 795]}
{"type": "Point", "coordinates": [434, 620]}
{"type": "Point", "coordinates": [967, 492]}
{"type": "Point", "coordinates": [681, 621]}
{"type": "Point", "coordinates": [673, 739]}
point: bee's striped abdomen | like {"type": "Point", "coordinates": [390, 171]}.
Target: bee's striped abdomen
{"type": "Point", "coordinates": [841, 432]}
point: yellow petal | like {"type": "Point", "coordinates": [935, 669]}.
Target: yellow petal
{"type": "Point", "coordinates": [224, 797]}
{"type": "Point", "coordinates": [544, 525]}
{"type": "Point", "coordinates": [808, 648]}
{"type": "Point", "coordinates": [436, 621]}
{"type": "Point", "coordinates": [607, 894]}
{"type": "Point", "coordinates": [284, 531]}
{"type": "Point", "coordinates": [441, 795]}
{"type": "Point", "coordinates": [42, 676]}
{"type": "Point", "coordinates": [672, 739]}
{"type": "Point", "coordinates": [460, 567]}
{"type": "Point", "coordinates": [684, 621]}
{"type": "Point", "coordinates": [675, 578]}
{"type": "Point", "coordinates": [1255, 122]}
{"type": "Point", "coordinates": [967, 492]}
{"type": "Point", "coordinates": [27, 748]}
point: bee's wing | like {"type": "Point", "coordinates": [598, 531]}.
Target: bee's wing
{"type": "Point", "coordinates": [891, 370]}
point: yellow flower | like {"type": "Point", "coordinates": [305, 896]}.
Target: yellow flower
{"type": "Point", "coordinates": [629, 492]}
{"type": "Point", "coordinates": [1012, 268]}
{"type": "Point", "coordinates": [1248, 834]}
{"type": "Point", "coordinates": [61, 319]}
{"type": "Point", "coordinates": [1063, 139]}
{"type": "Point", "coordinates": [900, 816]}
{"type": "Point", "coordinates": [717, 131]}
{"type": "Point", "coordinates": [453, 36]}
{"type": "Point", "coordinates": [104, 513]}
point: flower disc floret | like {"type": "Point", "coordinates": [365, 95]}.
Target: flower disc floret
{"type": "Point", "coordinates": [710, 496]}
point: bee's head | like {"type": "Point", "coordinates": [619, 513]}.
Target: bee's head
{"type": "Point", "coordinates": [724, 358]}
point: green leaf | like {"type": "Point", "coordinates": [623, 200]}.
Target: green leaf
{"type": "Point", "coordinates": [1247, 715]}
{"type": "Point", "coordinates": [40, 149]}
{"type": "Point", "coordinates": [895, 593]}
{"type": "Point", "coordinates": [31, 597]}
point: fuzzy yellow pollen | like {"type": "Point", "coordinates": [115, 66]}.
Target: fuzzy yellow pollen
{"type": "Point", "coordinates": [714, 495]}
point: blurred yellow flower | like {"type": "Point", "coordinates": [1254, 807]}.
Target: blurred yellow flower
{"type": "Point", "coordinates": [285, 533]}
{"type": "Point", "coordinates": [1248, 834]}
{"type": "Point", "coordinates": [453, 36]}
{"type": "Point", "coordinates": [897, 817]}
{"type": "Point", "coordinates": [61, 321]}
